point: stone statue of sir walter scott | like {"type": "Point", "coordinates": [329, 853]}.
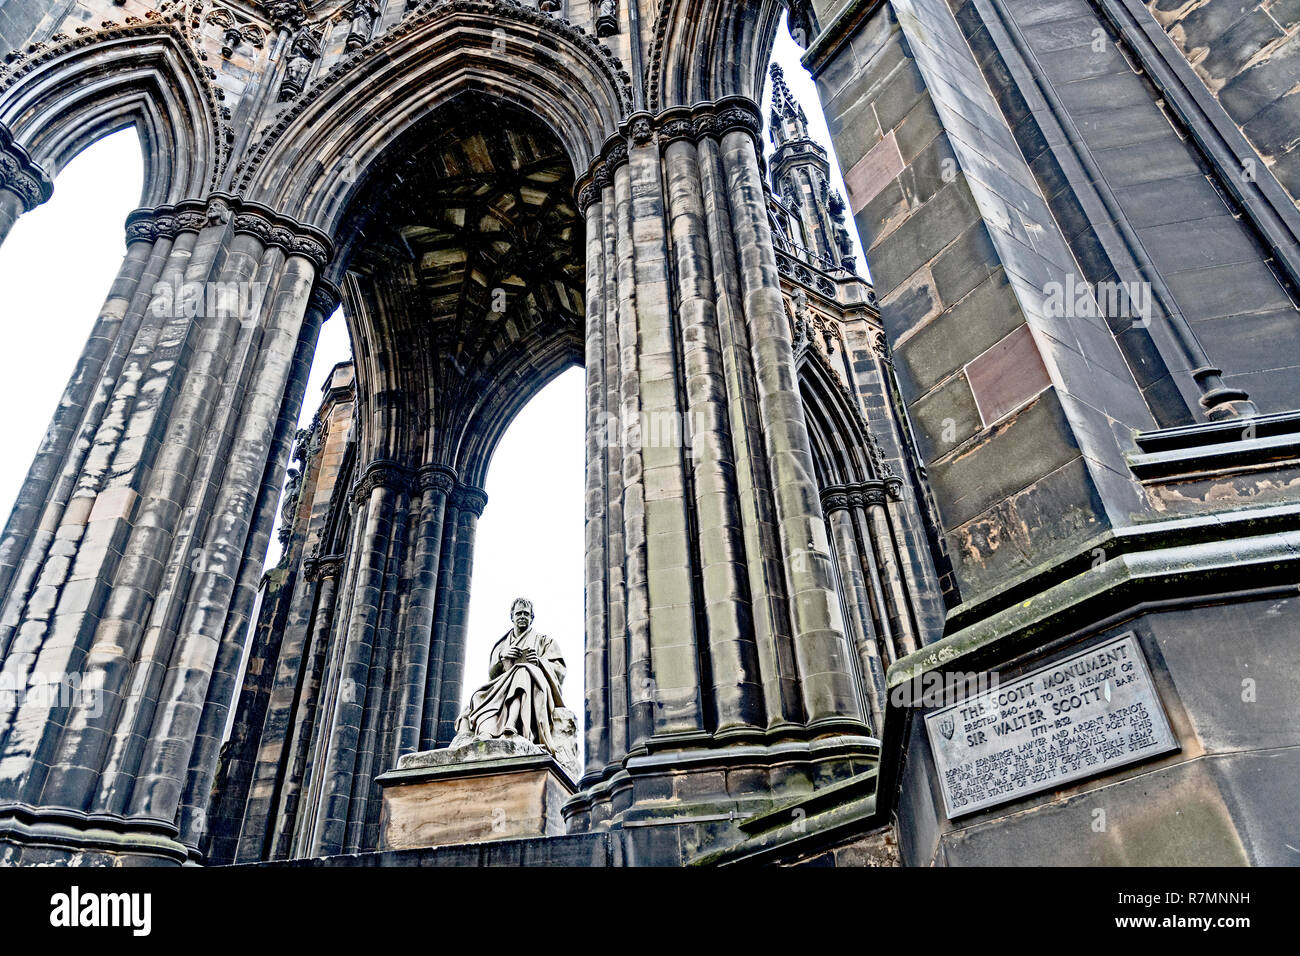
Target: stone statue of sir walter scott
{"type": "Point", "coordinates": [522, 699]}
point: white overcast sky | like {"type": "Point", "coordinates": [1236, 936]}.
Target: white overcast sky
{"type": "Point", "coordinates": [56, 268]}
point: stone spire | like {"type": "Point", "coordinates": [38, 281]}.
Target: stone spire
{"type": "Point", "coordinates": [789, 123]}
{"type": "Point", "coordinates": [801, 177]}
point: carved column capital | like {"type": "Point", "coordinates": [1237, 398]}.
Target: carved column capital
{"type": "Point", "coordinates": [325, 298]}
{"type": "Point", "coordinates": [328, 567]}
{"type": "Point", "coordinates": [275, 229]}
{"type": "Point", "coordinates": [674, 125]}
{"type": "Point", "coordinates": [588, 196]}
{"type": "Point", "coordinates": [862, 495]}
{"type": "Point", "coordinates": [616, 156]}
{"type": "Point", "coordinates": [272, 228]}
{"type": "Point", "coordinates": [836, 498]}
{"type": "Point", "coordinates": [739, 113]}
{"type": "Point", "coordinates": [380, 474]}
{"type": "Point", "coordinates": [21, 175]}
{"type": "Point", "coordinates": [873, 493]}
{"type": "Point", "coordinates": [469, 498]}
{"type": "Point", "coordinates": [437, 478]}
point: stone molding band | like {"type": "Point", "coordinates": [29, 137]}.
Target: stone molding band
{"type": "Point", "coordinates": [861, 495]}
{"type": "Point", "coordinates": [692, 124]}
{"type": "Point", "coordinates": [274, 229]}
{"type": "Point", "coordinates": [21, 175]}
{"type": "Point", "coordinates": [398, 478]}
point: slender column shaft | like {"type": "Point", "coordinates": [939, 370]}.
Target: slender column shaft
{"type": "Point", "coordinates": [678, 706]}
{"type": "Point", "coordinates": [29, 552]}
{"type": "Point", "coordinates": [737, 696]}
{"type": "Point", "coordinates": [875, 585]}
{"type": "Point", "coordinates": [303, 720]}
{"type": "Point", "coordinates": [99, 432]}
{"type": "Point", "coordinates": [435, 483]}
{"type": "Point", "coordinates": [70, 418]}
{"type": "Point", "coordinates": [223, 686]}
{"type": "Point", "coordinates": [339, 762]}
{"type": "Point", "coordinates": [144, 611]}
{"type": "Point", "coordinates": [853, 581]}
{"type": "Point", "coordinates": [640, 670]}
{"type": "Point", "coordinates": [58, 619]}
{"type": "Point", "coordinates": [766, 571]}
{"type": "Point", "coordinates": [596, 658]}
{"type": "Point", "coordinates": [337, 646]}
{"type": "Point", "coordinates": [441, 620]}
{"type": "Point", "coordinates": [882, 537]}
{"type": "Point", "coordinates": [11, 207]}
{"type": "Point", "coordinates": [469, 506]}
{"type": "Point", "coordinates": [820, 647]}
{"type": "Point", "coordinates": [616, 558]}
{"type": "Point", "coordinates": [377, 682]}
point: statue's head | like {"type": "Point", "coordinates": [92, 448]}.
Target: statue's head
{"type": "Point", "coordinates": [521, 612]}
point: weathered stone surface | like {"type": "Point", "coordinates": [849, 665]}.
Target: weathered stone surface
{"type": "Point", "coordinates": [792, 491]}
{"type": "Point", "coordinates": [498, 793]}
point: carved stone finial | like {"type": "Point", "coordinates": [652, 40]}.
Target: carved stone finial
{"type": "Point", "coordinates": [607, 18]}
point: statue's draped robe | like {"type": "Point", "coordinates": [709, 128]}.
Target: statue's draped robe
{"type": "Point", "coordinates": [538, 684]}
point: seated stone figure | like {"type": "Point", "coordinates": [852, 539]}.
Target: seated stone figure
{"type": "Point", "coordinates": [522, 701]}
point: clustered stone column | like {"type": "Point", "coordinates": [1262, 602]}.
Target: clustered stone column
{"type": "Point", "coordinates": [706, 540]}
{"type": "Point", "coordinates": [380, 663]}
{"type": "Point", "coordinates": [876, 593]}
{"type": "Point", "coordinates": [130, 563]}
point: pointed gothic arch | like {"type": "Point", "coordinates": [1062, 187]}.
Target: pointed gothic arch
{"type": "Point", "coordinates": [354, 113]}
{"type": "Point", "coordinates": [145, 76]}
{"type": "Point", "coordinates": [706, 52]}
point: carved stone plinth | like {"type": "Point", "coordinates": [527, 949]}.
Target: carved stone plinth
{"type": "Point", "coordinates": [489, 790]}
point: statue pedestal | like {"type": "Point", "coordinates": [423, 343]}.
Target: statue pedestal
{"type": "Point", "coordinates": [488, 790]}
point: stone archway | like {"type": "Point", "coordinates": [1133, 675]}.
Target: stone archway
{"type": "Point", "coordinates": [476, 151]}
{"type": "Point", "coordinates": [463, 294]}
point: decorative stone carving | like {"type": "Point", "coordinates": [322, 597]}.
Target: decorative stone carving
{"type": "Point", "coordinates": [616, 157]}
{"type": "Point", "coordinates": [235, 31]}
{"type": "Point", "coordinates": [325, 297]}
{"type": "Point", "coordinates": [304, 51]}
{"type": "Point", "coordinates": [466, 498]}
{"type": "Point", "coordinates": [289, 234]}
{"type": "Point", "coordinates": [380, 474]}
{"type": "Point", "coordinates": [745, 117]}
{"type": "Point", "coordinates": [285, 14]}
{"type": "Point", "coordinates": [843, 241]}
{"type": "Point", "coordinates": [642, 130]}
{"type": "Point", "coordinates": [522, 699]}
{"type": "Point", "coordinates": [863, 495]}
{"type": "Point", "coordinates": [437, 478]}
{"type": "Point", "coordinates": [363, 14]}
{"type": "Point", "coordinates": [607, 18]}
{"type": "Point", "coordinates": [675, 128]}
{"type": "Point", "coordinates": [20, 175]}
